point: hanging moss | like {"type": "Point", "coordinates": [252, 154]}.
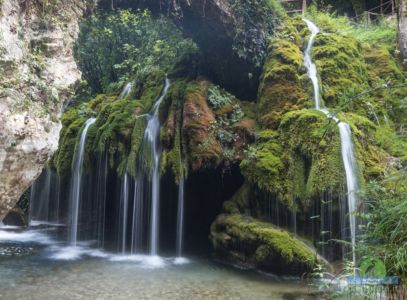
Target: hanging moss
{"type": "Point", "coordinates": [171, 133]}
{"type": "Point", "coordinates": [72, 122]}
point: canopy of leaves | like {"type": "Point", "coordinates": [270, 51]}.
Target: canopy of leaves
{"type": "Point", "coordinates": [128, 45]}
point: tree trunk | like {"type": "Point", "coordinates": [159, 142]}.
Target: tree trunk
{"type": "Point", "coordinates": [402, 34]}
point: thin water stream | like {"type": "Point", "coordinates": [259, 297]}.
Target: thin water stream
{"type": "Point", "coordinates": [348, 153]}
{"type": "Point", "coordinates": [75, 195]}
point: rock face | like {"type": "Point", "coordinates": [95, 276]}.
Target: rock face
{"type": "Point", "coordinates": [39, 72]}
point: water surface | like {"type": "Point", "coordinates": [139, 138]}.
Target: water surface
{"type": "Point", "coordinates": [34, 266]}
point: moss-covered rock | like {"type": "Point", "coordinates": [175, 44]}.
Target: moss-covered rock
{"type": "Point", "coordinates": [249, 242]}
{"type": "Point", "coordinates": [341, 66]}
{"type": "Point", "coordinates": [203, 125]}
{"type": "Point", "coordinates": [72, 123]}
{"type": "Point", "coordinates": [297, 164]}
{"type": "Point", "coordinates": [283, 84]}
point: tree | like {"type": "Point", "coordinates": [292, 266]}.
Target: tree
{"type": "Point", "coordinates": [402, 32]}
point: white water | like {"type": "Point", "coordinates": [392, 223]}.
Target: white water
{"type": "Point", "coordinates": [310, 66]}
{"type": "Point", "coordinates": [152, 138]}
{"type": "Point", "coordinates": [147, 183]}
{"type": "Point", "coordinates": [348, 154]}
{"type": "Point", "coordinates": [40, 199]}
{"type": "Point", "coordinates": [76, 183]}
{"type": "Point", "coordinates": [126, 90]}
{"type": "Point", "coordinates": [180, 216]}
{"type": "Point", "coordinates": [137, 224]}
{"type": "Point", "coordinates": [125, 205]}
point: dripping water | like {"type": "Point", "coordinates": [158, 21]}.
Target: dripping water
{"type": "Point", "coordinates": [75, 195]}
{"type": "Point", "coordinates": [101, 198]}
{"type": "Point", "coordinates": [180, 215]}
{"type": "Point", "coordinates": [348, 155]}
{"type": "Point", "coordinates": [124, 203]}
{"type": "Point", "coordinates": [39, 199]}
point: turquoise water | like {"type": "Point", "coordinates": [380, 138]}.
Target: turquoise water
{"type": "Point", "coordinates": [33, 266]}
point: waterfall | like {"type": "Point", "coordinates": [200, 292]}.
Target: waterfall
{"type": "Point", "coordinates": [147, 183]}
{"type": "Point", "coordinates": [138, 213]}
{"type": "Point", "coordinates": [349, 162]}
{"type": "Point", "coordinates": [126, 90]}
{"type": "Point", "coordinates": [101, 198]}
{"type": "Point", "coordinates": [75, 195]}
{"type": "Point", "coordinates": [39, 199]}
{"type": "Point", "coordinates": [180, 215]}
{"type": "Point", "coordinates": [152, 138]}
{"type": "Point", "coordinates": [310, 66]}
{"type": "Point", "coordinates": [348, 155]}
{"type": "Point", "coordinates": [44, 199]}
{"type": "Point", "coordinates": [124, 203]}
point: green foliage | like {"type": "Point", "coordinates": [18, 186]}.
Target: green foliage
{"type": "Point", "coordinates": [373, 267]}
{"type": "Point", "coordinates": [251, 14]}
{"type": "Point", "coordinates": [381, 33]}
{"type": "Point", "coordinates": [127, 46]}
{"type": "Point", "coordinates": [387, 225]}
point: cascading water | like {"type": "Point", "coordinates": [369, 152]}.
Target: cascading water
{"type": "Point", "coordinates": [101, 198]}
{"type": "Point", "coordinates": [124, 203]}
{"type": "Point", "coordinates": [75, 195]}
{"type": "Point", "coordinates": [44, 199]}
{"type": "Point", "coordinates": [310, 66]}
{"type": "Point", "coordinates": [180, 215]}
{"type": "Point", "coordinates": [39, 199]}
{"type": "Point", "coordinates": [348, 155]}
{"type": "Point", "coordinates": [126, 90]}
{"type": "Point", "coordinates": [147, 184]}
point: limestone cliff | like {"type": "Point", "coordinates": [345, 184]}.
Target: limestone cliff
{"type": "Point", "coordinates": [38, 75]}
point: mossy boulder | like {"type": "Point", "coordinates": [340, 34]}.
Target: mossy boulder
{"type": "Point", "coordinates": [252, 243]}
{"type": "Point", "coordinates": [283, 84]}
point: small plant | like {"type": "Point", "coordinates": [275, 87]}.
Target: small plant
{"type": "Point", "coordinates": [218, 97]}
{"type": "Point", "coordinates": [237, 114]}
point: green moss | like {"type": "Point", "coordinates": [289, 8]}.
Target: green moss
{"type": "Point", "coordinates": [115, 129]}
{"type": "Point", "coordinates": [341, 66]}
{"type": "Point", "coordinates": [297, 164]}
{"type": "Point", "coordinates": [251, 242]}
{"type": "Point", "coordinates": [72, 123]}
{"type": "Point", "coordinates": [282, 82]}
{"type": "Point", "coordinates": [137, 136]}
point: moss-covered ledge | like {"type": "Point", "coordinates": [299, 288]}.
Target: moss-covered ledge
{"type": "Point", "coordinates": [252, 243]}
